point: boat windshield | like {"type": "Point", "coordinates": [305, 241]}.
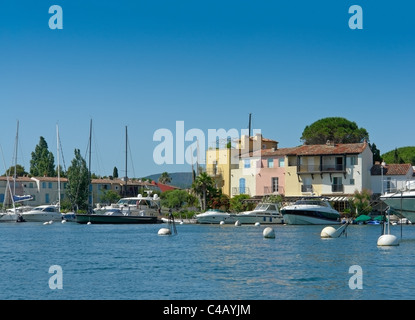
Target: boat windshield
{"type": "Point", "coordinates": [264, 207]}
{"type": "Point", "coordinates": [312, 202]}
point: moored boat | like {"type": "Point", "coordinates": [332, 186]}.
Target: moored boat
{"type": "Point", "coordinates": [264, 213]}
{"type": "Point", "coordinates": [311, 210]}
{"type": "Point", "coordinates": [116, 216]}
{"type": "Point", "coordinates": [215, 216]}
{"type": "Point", "coordinates": [43, 213]}
{"type": "Point", "coordinates": [402, 202]}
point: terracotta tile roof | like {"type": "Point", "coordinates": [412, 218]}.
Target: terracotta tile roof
{"type": "Point", "coordinates": [268, 152]}
{"type": "Point", "coordinates": [391, 169]}
{"type": "Point", "coordinates": [328, 149]}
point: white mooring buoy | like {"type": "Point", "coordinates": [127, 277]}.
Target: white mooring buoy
{"type": "Point", "coordinates": [330, 232]}
{"type": "Point", "coordinates": [257, 224]}
{"type": "Point", "coordinates": [164, 232]}
{"type": "Point", "coordinates": [388, 240]}
{"type": "Point", "coordinates": [237, 223]}
{"type": "Point", "coordinates": [268, 233]}
{"type": "Point", "coordinates": [222, 222]}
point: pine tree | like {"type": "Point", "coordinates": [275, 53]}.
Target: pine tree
{"type": "Point", "coordinates": [42, 162]}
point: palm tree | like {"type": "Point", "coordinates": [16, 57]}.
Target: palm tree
{"type": "Point", "coordinates": [201, 186]}
{"type": "Point", "coordinates": [165, 178]}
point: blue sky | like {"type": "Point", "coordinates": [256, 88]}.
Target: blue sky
{"type": "Point", "coordinates": [148, 64]}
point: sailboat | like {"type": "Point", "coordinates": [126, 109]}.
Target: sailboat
{"type": "Point", "coordinates": [14, 214]}
{"type": "Point", "coordinates": [147, 214]}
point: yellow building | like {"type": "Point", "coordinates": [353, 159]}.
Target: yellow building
{"type": "Point", "coordinates": [220, 161]}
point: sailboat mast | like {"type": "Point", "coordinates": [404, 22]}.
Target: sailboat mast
{"type": "Point", "coordinates": [59, 169]}
{"type": "Point", "coordinates": [126, 157]}
{"type": "Point", "coordinates": [90, 200]}
{"type": "Point", "coordinates": [15, 159]}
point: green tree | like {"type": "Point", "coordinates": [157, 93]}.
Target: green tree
{"type": "Point", "coordinates": [115, 173]}
{"type": "Point", "coordinates": [375, 152]}
{"type": "Point", "coordinates": [238, 203]}
{"type": "Point", "coordinates": [174, 199]}
{"type": "Point", "coordinates": [78, 182]}
{"type": "Point", "coordinates": [20, 171]}
{"type": "Point", "coordinates": [110, 196]}
{"type": "Point", "coordinates": [334, 129]}
{"type": "Point", "coordinates": [42, 162]}
{"type": "Point", "coordinates": [361, 202]}
{"type": "Point", "coordinates": [400, 155]}
{"type": "Point", "coordinates": [165, 178]}
{"type": "Point", "coordinates": [202, 185]}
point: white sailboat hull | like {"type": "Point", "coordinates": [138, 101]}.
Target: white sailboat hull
{"type": "Point", "coordinates": [42, 217]}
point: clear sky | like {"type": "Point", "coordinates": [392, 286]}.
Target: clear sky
{"type": "Point", "coordinates": [146, 64]}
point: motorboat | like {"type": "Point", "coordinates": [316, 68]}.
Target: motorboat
{"type": "Point", "coordinates": [139, 205]}
{"type": "Point", "coordinates": [402, 202]}
{"type": "Point", "coordinates": [311, 210]}
{"type": "Point", "coordinates": [116, 216]}
{"type": "Point", "coordinates": [215, 216]}
{"type": "Point", "coordinates": [130, 210]}
{"type": "Point", "coordinates": [43, 213]}
{"type": "Point", "coordinates": [264, 213]}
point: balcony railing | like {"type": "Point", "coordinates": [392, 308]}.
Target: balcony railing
{"type": "Point", "coordinates": [337, 188]}
{"type": "Point", "coordinates": [304, 168]}
{"type": "Point", "coordinates": [307, 188]}
{"type": "Point", "coordinates": [271, 190]}
{"type": "Point", "coordinates": [237, 191]}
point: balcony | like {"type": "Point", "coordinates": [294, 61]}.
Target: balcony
{"type": "Point", "coordinates": [330, 168]}
{"type": "Point", "coordinates": [307, 188]}
{"type": "Point", "coordinates": [214, 172]}
{"type": "Point", "coordinates": [271, 190]}
{"type": "Point", "coordinates": [236, 191]}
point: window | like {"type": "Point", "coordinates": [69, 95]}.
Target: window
{"type": "Point", "coordinates": [47, 198]}
{"type": "Point", "coordinates": [270, 163]}
{"type": "Point", "coordinates": [241, 185]}
{"type": "Point", "coordinates": [352, 182]}
{"type": "Point", "coordinates": [281, 162]}
{"type": "Point", "coordinates": [247, 164]}
{"type": "Point", "coordinates": [353, 160]}
{"type": "Point", "coordinates": [274, 184]}
{"type": "Point", "coordinates": [44, 185]}
{"type": "Point", "coordinates": [50, 185]}
{"type": "Point", "coordinates": [337, 185]}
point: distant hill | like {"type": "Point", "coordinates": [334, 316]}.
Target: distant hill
{"type": "Point", "coordinates": [400, 155]}
{"type": "Point", "coordinates": [178, 179]}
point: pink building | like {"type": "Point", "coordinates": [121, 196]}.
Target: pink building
{"type": "Point", "coordinates": [270, 178]}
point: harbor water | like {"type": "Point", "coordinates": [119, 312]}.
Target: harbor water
{"type": "Point", "coordinates": [202, 262]}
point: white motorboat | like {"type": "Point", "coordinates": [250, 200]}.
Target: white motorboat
{"type": "Point", "coordinates": [311, 210]}
{"type": "Point", "coordinates": [264, 213]}
{"type": "Point", "coordinates": [43, 213]}
{"type": "Point", "coordinates": [215, 216]}
{"type": "Point", "coordinates": [149, 206]}
{"type": "Point", "coordinates": [402, 202]}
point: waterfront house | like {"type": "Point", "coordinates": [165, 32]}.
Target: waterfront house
{"type": "Point", "coordinates": [330, 170]}
{"type": "Point", "coordinates": [44, 190]}
{"type": "Point", "coordinates": [220, 162]}
{"type": "Point", "coordinates": [388, 178]}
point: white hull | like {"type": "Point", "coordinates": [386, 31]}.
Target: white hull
{"type": "Point", "coordinates": [215, 218]}
{"type": "Point", "coordinates": [254, 218]}
{"type": "Point", "coordinates": [402, 203]}
{"type": "Point", "coordinates": [8, 217]}
{"type": "Point", "coordinates": [42, 217]}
